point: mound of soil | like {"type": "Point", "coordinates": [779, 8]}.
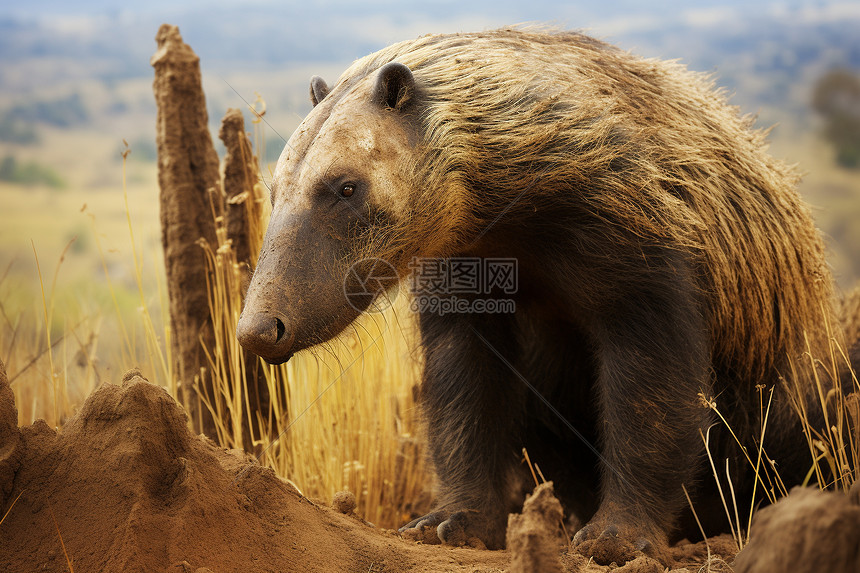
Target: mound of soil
{"type": "Point", "coordinates": [126, 487]}
{"type": "Point", "coordinates": [806, 532]}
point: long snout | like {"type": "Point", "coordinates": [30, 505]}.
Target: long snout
{"type": "Point", "coordinates": [265, 335]}
{"type": "Point", "coordinates": [296, 296]}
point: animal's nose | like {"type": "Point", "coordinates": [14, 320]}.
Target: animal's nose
{"type": "Point", "coordinates": [265, 335]}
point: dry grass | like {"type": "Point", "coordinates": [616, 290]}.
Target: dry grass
{"type": "Point", "coordinates": [833, 449]}
{"type": "Point", "coordinates": [349, 420]}
{"type": "Point", "coordinates": [51, 370]}
{"type": "Point", "coordinates": [352, 424]}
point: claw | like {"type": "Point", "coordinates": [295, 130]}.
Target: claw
{"type": "Point", "coordinates": [429, 520]}
{"type": "Point", "coordinates": [583, 534]}
{"type": "Point", "coordinates": [610, 531]}
{"type": "Point", "coordinates": [458, 528]}
{"type": "Point", "coordinates": [453, 531]}
{"type": "Point", "coordinates": [423, 529]}
{"type": "Point", "coordinates": [449, 533]}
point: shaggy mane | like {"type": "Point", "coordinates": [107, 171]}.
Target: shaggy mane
{"type": "Point", "coordinates": [518, 120]}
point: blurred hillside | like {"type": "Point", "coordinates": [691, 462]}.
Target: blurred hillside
{"type": "Point", "coordinates": [75, 82]}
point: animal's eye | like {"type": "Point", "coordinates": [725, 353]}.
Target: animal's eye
{"type": "Point", "coordinates": [347, 190]}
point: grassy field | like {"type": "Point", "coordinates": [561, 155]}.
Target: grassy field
{"type": "Point", "coordinates": [82, 300]}
{"type": "Point", "coordinates": [833, 194]}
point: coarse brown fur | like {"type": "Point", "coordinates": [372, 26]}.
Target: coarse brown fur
{"type": "Point", "coordinates": [663, 257]}
{"type": "Point", "coordinates": [645, 146]}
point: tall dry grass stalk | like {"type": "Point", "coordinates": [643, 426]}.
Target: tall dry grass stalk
{"type": "Point", "coordinates": [833, 448]}
{"type": "Point", "coordinates": [48, 343]}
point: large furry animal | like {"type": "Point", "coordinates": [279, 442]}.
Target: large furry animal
{"type": "Point", "coordinates": [664, 260]}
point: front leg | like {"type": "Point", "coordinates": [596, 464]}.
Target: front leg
{"type": "Point", "coordinates": [654, 360]}
{"type": "Point", "coordinates": [473, 409]}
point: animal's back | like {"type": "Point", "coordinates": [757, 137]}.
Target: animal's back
{"type": "Point", "coordinates": [644, 144]}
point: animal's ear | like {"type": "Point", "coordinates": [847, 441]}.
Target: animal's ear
{"type": "Point", "coordinates": [395, 85]}
{"type": "Point", "coordinates": [319, 89]}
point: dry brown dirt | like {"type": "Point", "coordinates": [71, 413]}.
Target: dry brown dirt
{"type": "Point", "coordinates": [806, 532]}
{"type": "Point", "coordinates": [125, 486]}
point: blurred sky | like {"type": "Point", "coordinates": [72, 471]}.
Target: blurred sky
{"type": "Point", "coordinates": [270, 30]}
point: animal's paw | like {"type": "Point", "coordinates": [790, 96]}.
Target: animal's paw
{"type": "Point", "coordinates": [423, 529]}
{"type": "Point", "coordinates": [609, 543]}
{"type": "Point", "coordinates": [457, 528]}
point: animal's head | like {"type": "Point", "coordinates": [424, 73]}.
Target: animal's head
{"type": "Point", "coordinates": [342, 187]}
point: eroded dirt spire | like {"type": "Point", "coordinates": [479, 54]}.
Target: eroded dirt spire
{"type": "Point", "coordinates": [188, 178]}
